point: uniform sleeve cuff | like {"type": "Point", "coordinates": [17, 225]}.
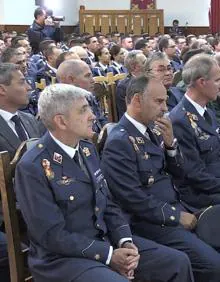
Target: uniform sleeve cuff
{"type": "Point", "coordinates": [109, 255]}
{"type": "Point", "coordinates": [123, 240]}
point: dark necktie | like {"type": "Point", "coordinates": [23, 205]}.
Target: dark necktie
{"type": "Point", "coordinates": [76, 158]}
{"type": "Point", "coordinates": [207, 117]}
{"type": "Point", "coordinates": [19, 128]}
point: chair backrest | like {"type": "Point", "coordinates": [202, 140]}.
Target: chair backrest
{"type": "Point", "coordinates": [107, 87]}
{"type": "Point", "coordinates": [17, 253]}
{"type": "Point", "coordinates": [100, 143]}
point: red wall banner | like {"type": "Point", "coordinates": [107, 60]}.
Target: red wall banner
{"type": "Point", "coordinates": [143, 4]}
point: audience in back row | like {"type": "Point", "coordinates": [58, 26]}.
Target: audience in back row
{"type": "Point", "coordinates": [160, 73]}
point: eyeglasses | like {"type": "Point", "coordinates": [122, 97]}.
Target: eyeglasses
{"type": "Point", "coordinates": [161, 69]}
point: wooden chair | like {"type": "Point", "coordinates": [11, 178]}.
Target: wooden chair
{"type": "Point", "coordinates": [17, 252]}
{"type": "Point", "coordinates": [106, 93]}
{"type": "Point", "coordinates": [100, 142]}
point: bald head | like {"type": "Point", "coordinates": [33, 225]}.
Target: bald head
{"type": "Point", "coordinates": [80, 51]}
{"type": "Point", "coordinates": [76, 72]}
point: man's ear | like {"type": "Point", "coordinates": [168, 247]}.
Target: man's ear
{"type": "Point", "coordinates": [2, 90]}
{"type": "Point", "coordinates": [60, 121]}
{"type": "Point", "coordinates": [201, 82]}
{"type": "Point", "coordinates": [136, 100]}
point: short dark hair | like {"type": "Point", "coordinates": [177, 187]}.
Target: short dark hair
{"type": "Point", "coordinates": [141, 43]}
{"type": "Point", "coordinates": [189, 54]}
{"type": "Point", "coordinates": [88, 39]}
{"type": "Point", "coordinates": [175, 21]}
{"type": "Point", "coordinates": [50, 51]}
{"type": "Point", "coordinates": [114, 51]}
{"type": "Point", "coordinates": [98, 53]}
{"type": "Point", "coordinates": [15, 41]}
{"type": "Point", "coordinates": [45, 44]}
{"type": "Point", "coordinates": [163, 43]}
{"type": "Point", "coordinates": [38, 12]}
{"type": "Point", "coordinates": [136, 85]}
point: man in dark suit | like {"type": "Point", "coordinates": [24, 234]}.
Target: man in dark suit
{"type": "Point", "coordinates": [196, 128]}
{"type": "Point", "coordinates": [15, 126]}
{"type": "Point", "coordinates": [83, 235]}
{"type": "Point", "coordinates": [14, 95]}
{"type": "Point", "coordinates": [138, 156]}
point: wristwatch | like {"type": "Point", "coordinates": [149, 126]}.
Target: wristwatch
{"type": "Point", "coordinates": [173, 146]}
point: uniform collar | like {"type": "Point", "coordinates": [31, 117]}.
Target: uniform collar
{"type": "Point", "coordinates": [7, 115]}
{"type": "Point", "coordinates": [199, 108]}
{"type": "Point", "coordinates": [140, 127]}
{"type": "Point", "coordinates": [70, 151]}
{"type": "Point", "coordinates": [117, 65]}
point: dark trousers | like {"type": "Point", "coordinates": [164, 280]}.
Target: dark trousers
{"type": "Point", "coordinates": [204, 259]}
{"type": "Point", "coordinates": [157, 263]}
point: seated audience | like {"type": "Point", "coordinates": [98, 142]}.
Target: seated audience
{"type": "Point", "coordinates": [102, 57]}
{"type": "Point", "coordinates": [196, 128]}
{"type": "Point", "coordinates": [48, 71]}
{"type": "Point", "coordinates": [117, 59]}
{"type": "Point", "coordinates": [92, 46]}
{"type": "Point", "coordinates": [83, 235]}
{"type": "Point", "coordinates": [168, 47]}
{"type": "Point", "coordinates": [140, 160]}
{"type": "Point", "coordinates": [142, 44]}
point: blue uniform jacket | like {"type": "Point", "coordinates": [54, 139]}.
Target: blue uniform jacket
{"type": "Point", "coordinates": [97, 70]}
{"type": "Point", "coordinates": [175, 94]}
{"type": "Point", "coordinates": [70, 216]}
{"type": "Point", "coordinates": [117, 70]}
{"type": "Point", "coordinates": [121, 94]}
{"type": "Point", "coordinates": [200, 145]}
{"type": "Point", "coordinates": [136, 170]}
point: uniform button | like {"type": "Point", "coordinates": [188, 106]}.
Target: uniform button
{"type": "Point", "coordinates": [40, 146]}
{"type": "Point", "coordinates": [97, 225]}
{"type": "Point", "coordinates": [96, 209]}
{"type": "Point", "coordinates": [97, 257]}
{"type": "Point", "coordinates": [173, 208]}
{"type": "Point", "coordinates": [172, 217]}
{"type": "Point", "coordinates": [72, 198]}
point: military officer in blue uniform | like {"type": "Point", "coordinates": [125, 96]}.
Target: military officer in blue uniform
{"type": "Point", "coordinates": [138, 156]}
{"type": "Point", "coordinates": [196, 128]}
{"type": "Point", "coordinates": [76, 232]}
